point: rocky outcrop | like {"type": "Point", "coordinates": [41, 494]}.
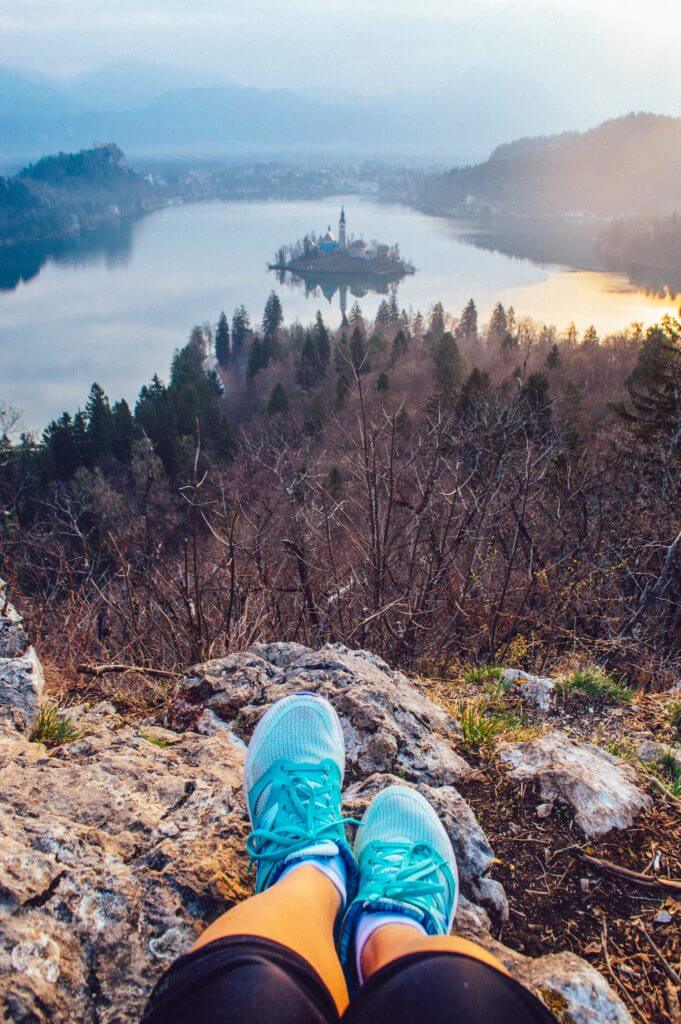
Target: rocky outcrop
{"type": "Point", "coordinates": [389, 726]}
{"type": "Point", "coordinates": [21, 674]}
{"type": "Point", "coordinates": [601, 789]}
{"type": "Point", "coordinates": [117, 849]}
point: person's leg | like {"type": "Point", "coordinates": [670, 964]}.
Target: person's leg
{"type": "Point", "coordinates": [280, 943]}
{"type": "Point", "coordinates": [395, 942]}
{"type": "Point", "coordinates": [299, 912]}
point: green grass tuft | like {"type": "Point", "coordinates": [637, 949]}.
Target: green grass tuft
{"type": "Point", "coordinates": [598, 685]}
{"type": "Point", "coordinates": [483, 675]}
{"type": "Point", "coordinates": [53, 729]}
{"type": "Point", "coordinates": [481, 725]}
{"type": "Point", "coordinates": [158, 741]}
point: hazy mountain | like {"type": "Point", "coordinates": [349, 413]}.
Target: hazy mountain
{"type": "Point", "coordinates": [131, 85]}
{"type": "Point", "coordinates": [628, 164]}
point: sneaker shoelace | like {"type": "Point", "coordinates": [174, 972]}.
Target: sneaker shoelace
{"type": "Point", "coordinates": [306, 797]}
{"type": "Point", "coordinates": [404, 872]}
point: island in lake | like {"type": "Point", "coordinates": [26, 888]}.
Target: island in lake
{"type": "Point", "coordinates": [329, 264]}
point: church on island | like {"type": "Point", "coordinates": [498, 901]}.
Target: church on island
{"type": "Point", "coordinates": [328, 256]}
{"type": "Point", "coordinates": [358, 249]}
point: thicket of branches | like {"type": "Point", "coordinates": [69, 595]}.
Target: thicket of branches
{"type": "Point", "coordinates": [431, 491]}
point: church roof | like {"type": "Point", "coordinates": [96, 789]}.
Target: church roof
{"type": "Point", "coordinates": [328, 237]}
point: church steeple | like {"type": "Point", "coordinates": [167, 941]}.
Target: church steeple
{"type": "Point", "coordinates": [342, 237]}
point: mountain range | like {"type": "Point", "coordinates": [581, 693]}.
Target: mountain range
{"type": "Point", "coordinates": [154, 110]}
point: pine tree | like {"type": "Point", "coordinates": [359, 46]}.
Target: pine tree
{"type": "Point", "coordinates": [358, 352]}
{"type": "Point", "coordinates": [448, 368]}
{"type": "Point", "coordinates": [498, 324]}
{"type": "Point", "coordinates": [99, 432]}
{"type": "Point", "coordinates": [342, 391]}
{"type": "Point", "coordinates": [273, 316]}
{"type": "Point", "coordinates": [436, 324]}
{"type": "Point", "coordinates": [383, 316]}
{"type": "Point", "coordinates": [468, 324]}
{"type": "Point", "coordinates": [474, 392]}
{"type": "Point", "coordinates": [309, 369]}
{"type": "Point", "coordinates": [383, 381]}
{"type": "Point", "coordinates": [278, 403]}
{"type": "Point", "coordinates": [654, 386]}
{"type": "Point", "coordinates": [393, 308]}
{"type": "Point", "coordinates": [123, 432]}
{"type": "Point", "coordinates": [241, 325]}
{"type": "Point", "coordinates": [321, 340]}
{"type": "Point", "coordinates": [222, 350]}
{"type": "Point", "coordinates": [400, 345]}
{"type": "Point", "coordinates": [255, 358]}
{"type": "Point", "coordinates": [553, 359]}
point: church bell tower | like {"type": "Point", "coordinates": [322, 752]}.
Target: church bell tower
{"type": "Point", "coordinates": [342, 237]}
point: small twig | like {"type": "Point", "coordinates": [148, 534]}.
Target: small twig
{"type": "Point", "coordinates": [100, 670]}
{"type": "Point", "coordinates": [635, 877]}
{"type": "Point", "coordinates": [618, 984]}
{"type": "Point", "coordinates": [666, 966]}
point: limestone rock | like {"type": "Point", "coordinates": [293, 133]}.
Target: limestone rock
{"type": "Point", "coordinates": [388, 725]}
{"type": "Point", "coordinates": [21, 686]}
{"type": "Point", "coordinates": [600, 788]}
{"type": "Point", "coordinates": [537, 690]}
{"type": "Point", "coordinates": [573, 989]}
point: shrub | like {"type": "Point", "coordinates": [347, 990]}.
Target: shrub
{"type": "Point", "coordinates": [53, 729]}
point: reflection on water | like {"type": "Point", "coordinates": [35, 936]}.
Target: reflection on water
{"type": "Point", "coordinates": [113, 308]}
{"type": "Point", "coordinates": [20, 264]}
{"type": "Point", "coordinates": [330, 285]}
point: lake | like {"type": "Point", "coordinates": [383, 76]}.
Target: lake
{"type": "Point", "coordinates": [114, 309]}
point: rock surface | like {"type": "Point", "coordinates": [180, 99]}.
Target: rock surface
{"type": "Point", "coordinates": [21, 674]}
{"type": "Point", "coordinates": [601, 789]}
{"type": "Point", "coordinates": [117, 849]}
{"type": "Point", "coordinates": [537, 690]}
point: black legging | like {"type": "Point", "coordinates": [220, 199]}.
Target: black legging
{"type": "Point", "coordinates": [248, 980]}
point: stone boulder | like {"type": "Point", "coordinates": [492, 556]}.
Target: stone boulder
{"type": "Point", "coordinates": [600, 788]}
{"type": "Point", "coordinates": [536, 690]}
{"type": "Point", "coordinates": [389, 725]}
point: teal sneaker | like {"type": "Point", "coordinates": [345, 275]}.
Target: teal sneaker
{"type": "Point", "coordinates": [294, 776]}
{"type": "Point", "coordinates": [406, 866]}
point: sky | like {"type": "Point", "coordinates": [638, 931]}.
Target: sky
{"type": "Point", "coordinates": [624, 53]}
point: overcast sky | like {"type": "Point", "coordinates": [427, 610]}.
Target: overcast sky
{"type": "Point", "coordinates": [626, 53]}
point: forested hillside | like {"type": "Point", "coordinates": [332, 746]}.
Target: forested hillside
{"type": "Point", "coordinates": [431, 488]}
{"type": "Point", "coordinates": [622, 166]}
{"type": "Point", "coordinates": [69, 194]}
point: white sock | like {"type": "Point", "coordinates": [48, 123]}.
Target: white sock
{"type": "Point", "coordinates": [369, 923]}
{"type": "Point", "coordinates": [331, 866]}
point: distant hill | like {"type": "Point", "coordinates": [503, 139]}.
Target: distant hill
{"type": "Point", "coordinates": [70, 194]}
{"type": "Point", "coordinates": [630, 164]}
